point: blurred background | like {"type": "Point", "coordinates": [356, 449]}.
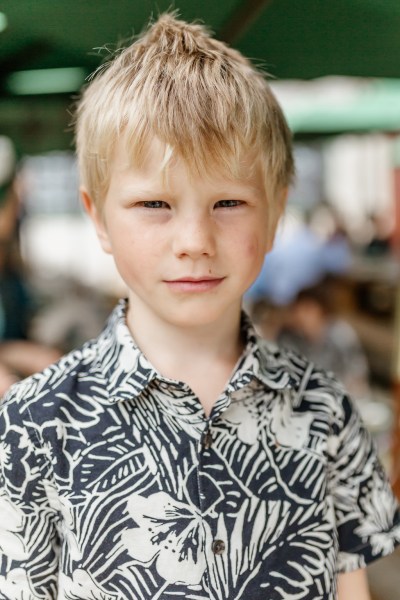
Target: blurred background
{"type": "Point", "coordinates": [335, 67]}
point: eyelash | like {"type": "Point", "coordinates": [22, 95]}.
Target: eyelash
{"type": "Point", "coordinates": [154, 204]}
{"type": "Point", "coordinates": [228, 203]}
{"type": "Point", "coordinates": [157, 204]}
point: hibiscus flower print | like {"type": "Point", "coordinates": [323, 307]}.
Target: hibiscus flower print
{"type": "Point", "coordinates": [169, 532]}
{"type": "Point", "coordinates": [16, 585]}
{"type": "Point", "coordinates": [81, 585]}
{"type": "Point", "coordinates": [291, 429]}
{"type": "Point", "coordinates": [244, 416]}
{"type": "Point", "coordinates": [378, 518]}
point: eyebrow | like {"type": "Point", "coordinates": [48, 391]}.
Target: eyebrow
{"type": "Point", "coordinates": [227, 190]}
{"type": "Point", "coordinates": [233, 187]}
{"type": "Point", "coordinates": [143, 193]}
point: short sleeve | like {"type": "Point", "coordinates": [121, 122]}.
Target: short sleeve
{"type": "Point", "coordinates": [366, 511]}
{"type": "Point", "coordinates": [28, 532]}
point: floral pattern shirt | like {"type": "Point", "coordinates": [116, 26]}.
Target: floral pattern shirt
{"type": "Point", "coordinates": [114, 484]}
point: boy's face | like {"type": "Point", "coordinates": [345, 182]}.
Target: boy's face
{"type": "Point", "coordinates": [187, 249]}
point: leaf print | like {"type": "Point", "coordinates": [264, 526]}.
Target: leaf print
{"type": "Point", "coordinates": [68, 528]}
{"type": "Point", "coordinates": [12, 521]}
{"type": "Point", "coordinates": [169, 532]}
{"type": "Point", "coordinates": [5, 453]}
{"type": "Point", "coordinates": [81, 585]}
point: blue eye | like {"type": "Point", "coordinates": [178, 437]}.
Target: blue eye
{"type": "Point", "coordinates": [228, 203]}
{"type": "Point", "coordinates": [154, 204]}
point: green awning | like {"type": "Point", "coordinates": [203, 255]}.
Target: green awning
{"type": "Point", "coordinates": [375, 107]}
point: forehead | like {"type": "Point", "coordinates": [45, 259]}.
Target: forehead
{"type": "Point", "coordinates": [159, 164]}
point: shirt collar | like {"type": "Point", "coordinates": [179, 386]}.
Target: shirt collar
{"type": "Point", "coordinates": [262, 360]}
{"type": "Point", "coordinates": [125, 368]}
{"type": "Point", "coordinates": [128, 372]}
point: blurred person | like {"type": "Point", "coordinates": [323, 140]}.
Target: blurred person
{"type": "Point", "coordinates": [312, 328]}
{"type": "Point", "coordinates": [73, 314]}
{"type": "Point", "coordinates": [300, 258]}
{"type": "Point", "coordinates": [379, 245]}
{"type": "Point", "coordinates": [19, 357]}
{"type": "Point", "coordinates": [268, 318]}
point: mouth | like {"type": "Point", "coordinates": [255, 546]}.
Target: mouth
{"type": "Point", "coordinates": [194, 284]}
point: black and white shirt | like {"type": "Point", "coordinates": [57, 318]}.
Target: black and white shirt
{"type": "Point", "coordinates": [114, 484]}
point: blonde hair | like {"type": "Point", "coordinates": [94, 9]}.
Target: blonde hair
{"type": "Point", "coordinates": [202, 99]}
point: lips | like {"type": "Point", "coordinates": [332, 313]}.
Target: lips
{"type": "Point", "coordinates": [197, 279]}
{"type": "Point", "coordinates": [194, 284]}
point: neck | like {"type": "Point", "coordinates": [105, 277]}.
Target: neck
{"type": "Point", "coordinates": [201, 356]}
{"type": "Point", "coordinates": [163, 342]}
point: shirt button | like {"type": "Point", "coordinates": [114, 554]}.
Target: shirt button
{"type": "Point", "coordinates": [218, 546]}
{"type": "Point", "coordinates": [207, 440]}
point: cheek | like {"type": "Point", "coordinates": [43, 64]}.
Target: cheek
{"type": "Point", "coordinates": [251, 249]}
{"type": "Point", "coordinates": [254, 248]}
{"type": "Point", "coordinates": [135, 249]}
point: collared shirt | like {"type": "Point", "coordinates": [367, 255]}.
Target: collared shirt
{"type": "Point", "coordinates": [114, 484]}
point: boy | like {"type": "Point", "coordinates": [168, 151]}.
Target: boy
{"type": "Point", "coordinates": [178, 456]}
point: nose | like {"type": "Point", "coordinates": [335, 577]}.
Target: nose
{"type": "Point", "coordinates": [194, 236]}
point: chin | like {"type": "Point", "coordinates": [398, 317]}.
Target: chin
{"type": "Point", "coordinates": [198, 316]}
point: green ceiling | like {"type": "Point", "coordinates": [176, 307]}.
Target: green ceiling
{"type": "Point", "coordinates": [293, 38]}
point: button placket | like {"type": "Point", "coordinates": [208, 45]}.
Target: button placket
{"type": "Point", "coordinates": [216, 547]}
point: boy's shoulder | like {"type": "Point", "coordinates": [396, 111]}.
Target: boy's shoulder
{"type": "Point", "coordinates": [310, 388]}
{"type": "Point", "coordinates": [39, 391]}
{"type": "Point", "coordinates": [300, 373]}
{"type": "Point", "coordinates": [104, 370]}
{"type": "Point", "coordinates": [41, 394]}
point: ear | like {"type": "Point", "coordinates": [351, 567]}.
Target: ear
{"type": "Point", "coordinates": [97, 219]}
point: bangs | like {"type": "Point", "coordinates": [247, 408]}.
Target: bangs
{"type": "Point", "coordinates": [201, 110]}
